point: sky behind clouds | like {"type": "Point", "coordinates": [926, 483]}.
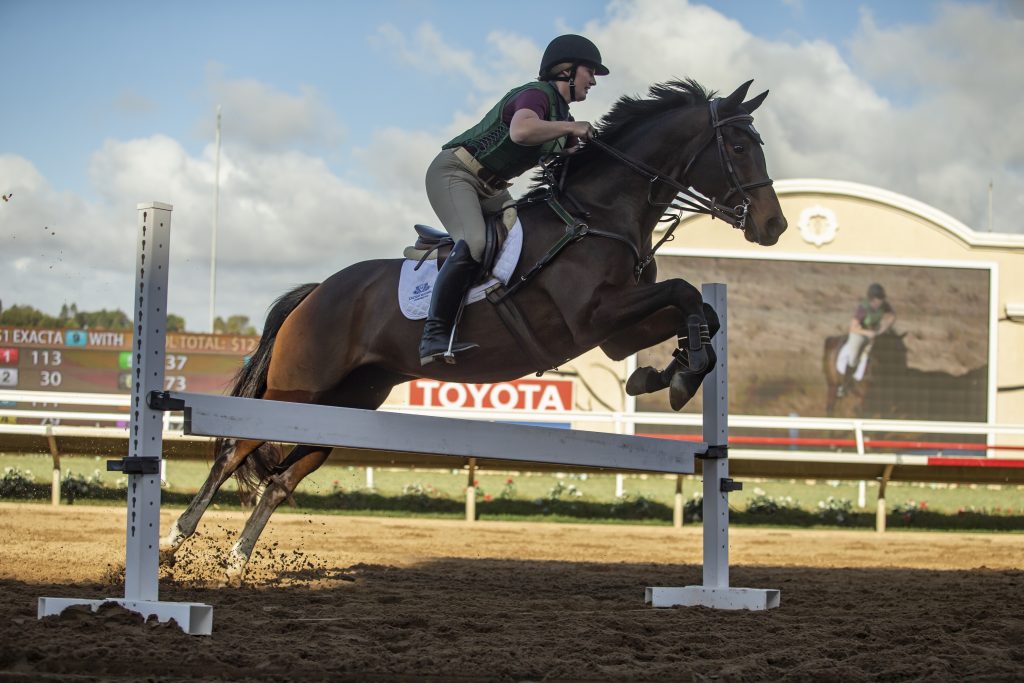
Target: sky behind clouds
{"type": "Point", "coordinates": [332, 112]}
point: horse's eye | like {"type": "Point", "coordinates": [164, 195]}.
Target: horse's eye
{"type": "Point", "coordinates": [738, 149]}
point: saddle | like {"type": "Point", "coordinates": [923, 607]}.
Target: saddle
{"type": "Point", "coordinates": [433, 243]}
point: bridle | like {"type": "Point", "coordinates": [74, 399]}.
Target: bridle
{"type": "Point", "coordinates": [687, 199]}
{"type": "Point", "coordinates": [684, 199]}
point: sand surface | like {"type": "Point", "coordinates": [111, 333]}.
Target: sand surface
{"type": "Point", "coordinates": [341, 598]}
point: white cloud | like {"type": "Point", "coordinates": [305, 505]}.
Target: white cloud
{"type": "Point", "coordinates": [427, 52]}
{"type": "Point", "coordinates": [263, 117]}
{"type": "Point", "coordinates": [56, 247]}
{"type": "Point", "coordinates": [396, 161]}
{"type": "Point", "coordinates": [961, 78]}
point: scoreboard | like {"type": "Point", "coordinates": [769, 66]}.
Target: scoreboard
{"type": "Point", "coordinates": [100, 361]}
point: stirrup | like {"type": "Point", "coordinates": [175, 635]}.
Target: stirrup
{"type": "Point", "coordinates": [448, 354]}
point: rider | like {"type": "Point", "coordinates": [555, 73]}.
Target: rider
{"type": "Point", "coordinates": [470, 177]}
{"type": "Point", "coordinates": [873, 316]}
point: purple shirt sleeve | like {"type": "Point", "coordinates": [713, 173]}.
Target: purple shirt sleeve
{"type": "Point", "coordinates": [536, 100]}
{"type": "Point", "coordinates": [533, 99]}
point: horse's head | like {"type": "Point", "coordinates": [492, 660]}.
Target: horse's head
{"type": "Point", "coordinates": [677, 139]}
{"type": "Point", "coordinates": [728, 166]}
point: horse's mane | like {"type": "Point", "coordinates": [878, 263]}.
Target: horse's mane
{"type": "Point", "coordinates": [625, 114]}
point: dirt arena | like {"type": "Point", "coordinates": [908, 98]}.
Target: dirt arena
{"type": "Point", "coordinates": [371, 599]}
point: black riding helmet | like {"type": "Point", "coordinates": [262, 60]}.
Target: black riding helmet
{"type": "Point", "coordinates": [573, 49]}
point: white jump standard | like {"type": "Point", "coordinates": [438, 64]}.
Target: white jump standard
{"type": "Point", "coordinates": [247, 418]}
{"type": "Point", "coordinates": [145, 444]}
{"type": "Point", "coordinates": [715, 591]}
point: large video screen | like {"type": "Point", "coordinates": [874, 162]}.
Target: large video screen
{"type": "Point", "coordinates": [789, 338]}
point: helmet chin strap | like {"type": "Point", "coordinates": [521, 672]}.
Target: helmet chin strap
{"type": "Point", "coordinates": [571, 80]}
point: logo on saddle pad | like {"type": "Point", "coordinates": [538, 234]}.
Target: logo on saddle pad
{"type": "Point", "coordinates": [415, 285]}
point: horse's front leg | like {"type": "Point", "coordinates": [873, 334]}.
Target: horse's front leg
{"type": "Point", "coordinates": [694, 322]}
{"type": "Point", "coordinates": [679, 376]}
{"type": "Point", "coordinates": [304, 460]}
{"type": "Point", "coordinates": [229, 457]}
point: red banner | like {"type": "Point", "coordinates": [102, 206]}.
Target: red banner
{"type": "Point", "coordinates": [522, 394]}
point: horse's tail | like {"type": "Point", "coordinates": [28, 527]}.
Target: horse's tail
{"type": "Point", "coordinates": [251, 382]}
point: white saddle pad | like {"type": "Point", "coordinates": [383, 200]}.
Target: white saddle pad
{"type": "Point", "coordinates": [415, 286]}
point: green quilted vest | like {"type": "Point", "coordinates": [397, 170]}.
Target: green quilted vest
{"type": "Point", "coordinates": [490, 142]}
{"type": "Point", "coordinates": [873, 318]}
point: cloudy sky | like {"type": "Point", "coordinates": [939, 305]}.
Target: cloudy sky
{"type": "Point", "coordinates": [331, 112]}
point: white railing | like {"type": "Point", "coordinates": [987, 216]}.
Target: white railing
{"type": "Point", "coordinates": [108, 422]}
{"type": "Point", "coordinates": [617, 422]}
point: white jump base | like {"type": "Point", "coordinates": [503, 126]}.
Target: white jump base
{"type": "Point", "coordinates": [208, 415]}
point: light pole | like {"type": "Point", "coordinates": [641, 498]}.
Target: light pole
{"type": "Point", "coordinates": [216, 211]}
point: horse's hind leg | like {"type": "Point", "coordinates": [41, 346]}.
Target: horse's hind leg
{"type": "Point", "coordinates": [225, 464]}
{"type": "Point", "coordinates": [303, 460]}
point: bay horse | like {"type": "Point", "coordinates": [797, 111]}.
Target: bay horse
{"type": "Point", "coordinates": [344, 342]}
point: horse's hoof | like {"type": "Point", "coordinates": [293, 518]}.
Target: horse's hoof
{"type": "Point", "coordinates": [644, 380]}
{"type": "Point", "coordinates": [169, 545]}
{"type": "Point", "coordinates": [232, 580]}
{"type": "Point", "coordinates": [235, 569]}
{"type": "Point", "coordinates": [684, 385]}
{"type": "Point", "coordinates": [681, 389]}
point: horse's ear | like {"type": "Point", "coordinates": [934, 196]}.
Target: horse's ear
{"type": "Point", "coordinates": [750, 105]}
{"type": "Point", "coordinates": [731, 102]}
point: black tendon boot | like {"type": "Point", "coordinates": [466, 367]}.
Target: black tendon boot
{"type": "Point", "coordinates": [693, 367]}
{"type": "Point", "coordinates": [453, 280]}
{"type": "Point", "coordinates": [684, 385]}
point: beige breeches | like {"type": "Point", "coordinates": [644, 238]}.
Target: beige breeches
{"type": "Point", "coordinates": [461, 200]}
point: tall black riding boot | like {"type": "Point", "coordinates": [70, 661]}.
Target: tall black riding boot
{"type": "Point", "coordinates": [453, 280]}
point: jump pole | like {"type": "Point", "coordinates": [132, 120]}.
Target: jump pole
{"type": "Point", "coordinates": [145, 442]}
